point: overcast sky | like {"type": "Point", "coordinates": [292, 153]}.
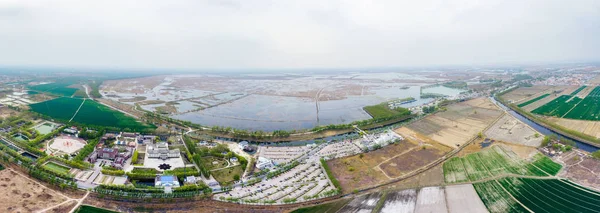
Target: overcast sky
{"type": "Point", "coordinates": [273, 34]}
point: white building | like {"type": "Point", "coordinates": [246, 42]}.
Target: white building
{"type": "Point", "coordinates": [243, 145]}
{"type": "Point", "coordinates": [264, 163]}
{"type": "Point", "coordinates": [161, 151]}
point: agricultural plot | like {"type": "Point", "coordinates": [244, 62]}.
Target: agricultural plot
{"type": "Point", "coordinates": [492, 162]}
{"type": "Point", "coordinates": [559, 106]}
{"type": "Point", "coordinates": [61, 108]}
{"type": "Point", "coordinates": [410, 161]}
{"type": "Point", "coordinates": [510, 130]}
{"type": "Point", "coordinates": [459, 124]}
{"type": "Point", "coordinates": [431, 199]}
{"type": "Point", "coordinates": [60, 89]}
{"type": "Point", "coordinates": [573, 107]}
{"type": "Point", "coordinates": [584, 126]}
{"type": "Point", "coordinates": [357, 172]}
{"type": "Point", "coordinates": [454, 171]}
{"type": "Point", "coordinates": [552, 195]}
{"type": "Point", "coordinates": [400, 202]}
{"type": "Point", "coordinates": [546, 164]}
{"type": "Point", "coordinates": [463, 198]}
{"type": "Point", "coordinates": [496, 200]}
{"type": "Point", "coordinates": [577, 90]}
{"type": "Point", "coordinates": [91, 112]}
{"type": "Point", "coordinates": [533, 100]}
{"type": "Point", "coordinates": [524, 93]}
{"type": "Point", "coordinates": [364, 203]}
{"type": "Point", "coordinates": [97, 114]}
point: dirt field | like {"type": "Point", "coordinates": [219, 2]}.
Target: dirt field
{"type": "Point", "coordinates": [580, 169]}
{"type": "Point", "coordinates": [511, 130]}
{"type": "Point", "coordinates": [595, 81]}
{"type": "Point", "coordinates": [459, 124]}
{"type": "Point", "coordinates": [463, 198]}
{"type": "Point", "coordinates": [523, 94]}
{"type": "Point", "coordinates": [20, 194]}
{"type": "Point", "coordinates": [355, 172]}
{"type": "Point", "coordinates": [403, 164]}
{"type": "Point", "coordinates": [587, 127]}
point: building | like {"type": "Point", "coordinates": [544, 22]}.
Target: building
{"type": "Point", "coordinates": [191, 180]}
{"type": "Point", "coordinates": [264, 163]}
{"type": "Point", "coordinates": [107, 153]}
{"type": "Point", "coordinates": [161, 151]}
{"type": "Point", "coordinates": [145, 139]}
{"type": "Point", "coordinates": [129, 134]}
{"type": "Point", "coordinates": [166, 181]}
{"type": "Point", "coordinates": [233, 159]}
{"type": "Point", "coordinates": [243, 145]}
{"type": "Point", "coordinates": [71, 130]}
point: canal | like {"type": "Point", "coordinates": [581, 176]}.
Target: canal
{"type": "Point", "coordinates": [543, 130]}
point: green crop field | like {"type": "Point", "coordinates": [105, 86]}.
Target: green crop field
{"type": "Point", "coordinates": [495, 161]}
{"type": "Point", "coordinates": [60, 89]}
{"type": "Point", "coordinates": [454, 171]}
{"type": "Point", "coordinates": [91, 209]}
{"type": "Point", "coordinates": [568, 106]}
{"type": "Point", "coordinates": [91, 112]}
{"type": "Point", "coordinates": [551, 195]}
{"type": "Point", "coordinates": [382, 110]}
{"type": "Point", "coordinates": [95, 113]}
{"type": "Point", "coordinates": [578, 90]}
{"type": "Point", "coordinates": [546, 164]}
{"type": "Point", "coordinates": [533, 100]}
{"type": "Point", "coordinates": [496, 200]}
{"type": "Point", "coordinates": [61, 108]}
{"type": "Point", "coordinates": [57, 168]}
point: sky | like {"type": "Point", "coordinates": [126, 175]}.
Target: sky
{"type": "Point", "coordinates": [271, 34]}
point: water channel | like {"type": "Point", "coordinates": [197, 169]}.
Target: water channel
{"type": "Point", "coordinates": [543, 130]}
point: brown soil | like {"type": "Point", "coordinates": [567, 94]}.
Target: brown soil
{"type": "Point", "coordinates": [19, 194]}
{"type": "Point", "coordinates": [66, 207]}
{"type": "Point", "coordinates": [411, 161]}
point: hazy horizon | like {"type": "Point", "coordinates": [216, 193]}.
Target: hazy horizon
{"type": "Point", "coordinates": [192, 36]}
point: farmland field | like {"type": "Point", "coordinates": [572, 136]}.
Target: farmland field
{"type": "Point", "coordinates": [559, 106]}
{"type": "Point", "coordinates": [496, 200]}
{"type": "Point", "coordinates": [495, 161]}
{"type": "Point", "coordinates": [463, 198]}
{"type": "Point", "coordinates": [573, 107]}
{"type": "Point", "coordinates": [578, 90]}
{"type": "Point", "coordinates": [382, 111]}
{"type": "Point", "coordinates": [546, 164]}
{"type": "Point", "coordinates": [332, 207]}
{"type": "Point", "coordinates": [454, 171]}
{"type": "Point", "coordinates": [60, 89]}
{"type": "Point", "coordinates": [91, 112]}
{"type": "Point", "coordinates": [91, 209]}
{"type": "Point", "coordinates": [551, 195]}
{"type": "Point", "coordinates": [400, 202]}
{"type": "Point", "coordinates": [459, 123]}
{"type": "Point", "coordinates": [366, 203]}
{"type": "Point", "coordinates": [431, 199]}
{"type": "Point", "coordinates": [57, 168]}
{"type": "Point", "coordinates": [97, 114]}
{"type": "Point", "coordinates": [60, 108]}
{"type": "Point", "coordinates": [533, 100]}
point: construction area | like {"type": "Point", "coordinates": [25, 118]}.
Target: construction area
{"type": "Point", "coordinates": [510, 130]}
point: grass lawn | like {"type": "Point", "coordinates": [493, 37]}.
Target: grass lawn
{"type": "Point", "coordinates": [382, 110]}
{"type": "Point", "coordinates": [325, 208]}
{"type": "Point", "coordinates": [207, 162]}
{"type": "Point", "coordinates": [225, 176]}
{"type": "Point", "coordinates": [57, 168]}
{"type": "Point", "coordinates": [91, 209]}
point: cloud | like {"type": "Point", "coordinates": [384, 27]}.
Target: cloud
{"type": "Point", "coordinates": [273, 34]}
